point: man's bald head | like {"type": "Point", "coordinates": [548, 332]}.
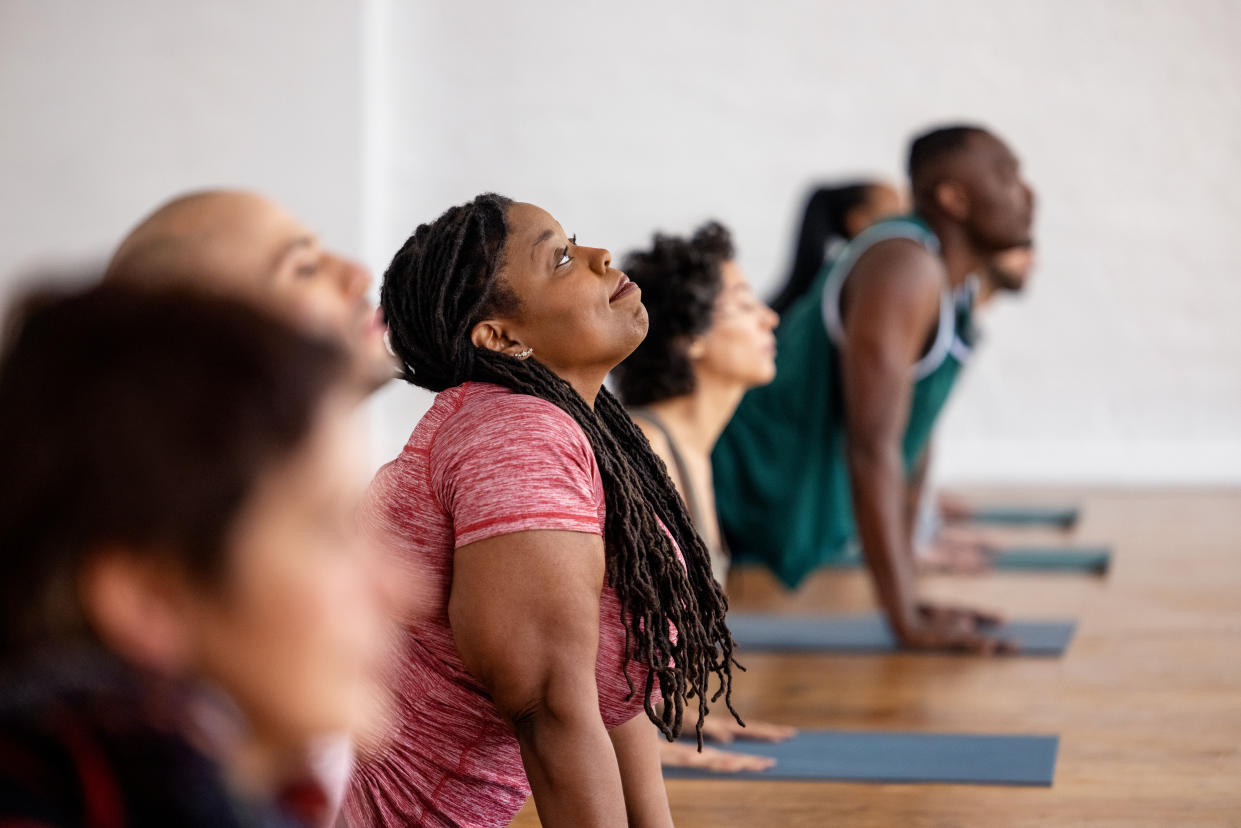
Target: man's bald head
{"type": "Point", "coordinates": [226, 240]}
{"type": "Point", "coordinates": [242, 244]}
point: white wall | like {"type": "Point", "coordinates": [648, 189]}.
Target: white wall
{"type": "Point", "coordinates": [109, 108]}
{"type": "Point", "coordinates": [1123, 361]}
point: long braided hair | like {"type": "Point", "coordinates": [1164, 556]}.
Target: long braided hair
{"type": "Point", "coordinates": [441, 283]}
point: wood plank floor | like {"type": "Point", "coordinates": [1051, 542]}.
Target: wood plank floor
{"type": "Point", "coordinates": [1147, 701]}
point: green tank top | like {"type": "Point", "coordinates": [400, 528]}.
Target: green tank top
{"type": "Point", "coordinates": [781, 471]}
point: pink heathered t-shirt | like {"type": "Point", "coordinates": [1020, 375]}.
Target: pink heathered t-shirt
{"type": "Point", "coordinates": [483, 462]}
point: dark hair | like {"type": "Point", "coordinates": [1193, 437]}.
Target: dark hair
{"type": "Point", "coordinates": [442, 282]}
{"type": "Point", "coordinates": [928, 151]}
{"type": "Point", "coordinates": [824, 219]}
{"type": "Point", "coordinates": [680, 281]}
{"type": "Point", "coordinates": [140, 419]}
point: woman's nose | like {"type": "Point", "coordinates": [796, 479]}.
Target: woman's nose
{"type": "Point", "coordinates": [600, 259]}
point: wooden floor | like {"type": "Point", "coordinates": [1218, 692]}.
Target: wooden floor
{"type": "Point", "coordinates": [1147, 701]}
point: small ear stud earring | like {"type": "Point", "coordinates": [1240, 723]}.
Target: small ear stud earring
{"type": "Point", "coordinates": [524, 354]}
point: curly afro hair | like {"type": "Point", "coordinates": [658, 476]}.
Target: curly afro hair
{"type": "Point", "coordinates": [680, 281]}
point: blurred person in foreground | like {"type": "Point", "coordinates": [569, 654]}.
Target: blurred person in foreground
{"type": "Point", "coordinates": [243, 245]}
{"type": "Point", "coordinates": [186, 600]}
{"type": "Point", "coordinates": [834, 451]}
{"type": "Point", "coordinates": [710, 339]}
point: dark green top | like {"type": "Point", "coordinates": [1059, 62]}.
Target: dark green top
{"type": "Point", "coordinates": [781, 471]}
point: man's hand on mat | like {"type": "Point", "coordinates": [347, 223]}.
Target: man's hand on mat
{"type": "Point", "coordinates": [686, 755]}
{"type": "Point", "coordinates": [940, 627]}
{"type": "Point", "coordinates": [953, 507]}
{"type": "Point", "coordinates": [959, 551]}
{"type": "Point", "coordinates": [724, 729]}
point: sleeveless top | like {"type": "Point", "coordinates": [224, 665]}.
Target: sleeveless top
{"type": "Point", "coordinates": [781, 468]}
{"type": "Point", "coordinates": [700, 516]}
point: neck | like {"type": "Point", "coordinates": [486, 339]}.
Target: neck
{"type": "Point", "coordinates": [698, 419]}
{"type": "Point", "coordinates": [253, 768]}
{"type": "Point", "coordinates": [959, 255]}
{"type": "Point", "coordinates": [586, 382]}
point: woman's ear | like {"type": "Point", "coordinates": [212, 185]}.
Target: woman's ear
{"type": "Point", "coordinates": [697, 348]}
{"type": "Point", "coordinates": [139, 609]}
{"type": "Point", "coordinates": [491, 334]}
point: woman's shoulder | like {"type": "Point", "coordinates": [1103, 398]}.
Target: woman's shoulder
{"type": "Point", "coordinates": [494, 410]}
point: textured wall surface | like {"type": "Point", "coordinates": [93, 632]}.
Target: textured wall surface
{"type": "Point", "coordinates": [1123, 360]}
{"type": "Point", "coordinates": [110, 108]}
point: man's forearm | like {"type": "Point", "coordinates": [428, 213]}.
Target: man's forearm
{"type": "Point", "coordinates": [878, 484]}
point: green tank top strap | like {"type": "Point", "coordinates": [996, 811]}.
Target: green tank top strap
{"type": "Point", "coordinates": [905, 227]}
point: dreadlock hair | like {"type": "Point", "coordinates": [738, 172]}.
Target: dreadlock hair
{"type": "Point", "coordinates": [824, 219]}
{"type": "Point", "coordinates": [442, 282]}
{"type": "Point", "coordinates": [680, 281]}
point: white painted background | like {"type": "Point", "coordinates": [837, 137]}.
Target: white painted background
{"type": "Point", "coordinates": [1122, 363]}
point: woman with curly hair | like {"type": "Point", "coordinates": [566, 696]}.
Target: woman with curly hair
{"type": "Point", "coordinates": [710, 340]}
{"type": "Point", "coordinates": [571, 590]}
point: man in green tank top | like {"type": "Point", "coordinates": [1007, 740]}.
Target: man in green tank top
{"type": "Point", "coordinates": [832, 453]}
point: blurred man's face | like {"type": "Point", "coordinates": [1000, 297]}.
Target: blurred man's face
{"type": "Point", "coordinates": [318, 287]}
{"type": "Point", "coordinates": [244, 245]}
{"type": "Point", "coordinates": [1001, 203]}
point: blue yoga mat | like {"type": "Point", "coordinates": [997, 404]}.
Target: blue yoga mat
{"type": "Point", "coordinates": [854, 756]}
{"type": "Point", "coordinates": [1091, 559]}
{"type": "Point", "coordinates": [1094, 560]}
{"type": "Point", "coordinates": [869, 633]}
{"type": "Point", "coordinates": [1063, 517]}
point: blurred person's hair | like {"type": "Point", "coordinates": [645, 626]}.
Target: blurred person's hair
{"type": "Point", "coordinates": [680, 281]}
{"type": "Point", "coordinates": [929, 151]}
{"type": "Point", "coordinates": [137, 420]}
{"type": "Point", "coordinates": [824, 219]}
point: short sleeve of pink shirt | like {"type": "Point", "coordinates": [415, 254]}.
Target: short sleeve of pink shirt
{"type": "Point", "coordinates": [525, 465]}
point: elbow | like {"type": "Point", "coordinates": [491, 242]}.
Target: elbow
{"type": "Point", "coordinates": [556, 706]}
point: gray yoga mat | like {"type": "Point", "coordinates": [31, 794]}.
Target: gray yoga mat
{"type": "Point", "coordinates": [869, 633]}
{"type": "Point", "coordinates": [855, 756]}
{"type": "Point", "coordinates": [1063, 517]}
{"type": "Point", "coordinates": [1091, 560]}
{"type": "Point", "coordinates": [1094, 560]}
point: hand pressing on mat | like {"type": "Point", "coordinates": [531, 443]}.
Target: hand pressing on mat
{"type": "Point", "coordinates": [939, 627]}
{"type": "Point", "coordinates": [953, 508]}
{"type": "Point", "coordinates": [958, 551]}
{"type": "Point", "coordinates": [686, 755]}
{"type": "Point", "coordinates": [726, 730]}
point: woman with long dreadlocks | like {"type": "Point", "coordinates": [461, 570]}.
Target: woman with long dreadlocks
{"type": "Point", "coordinates": [572, 590]}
